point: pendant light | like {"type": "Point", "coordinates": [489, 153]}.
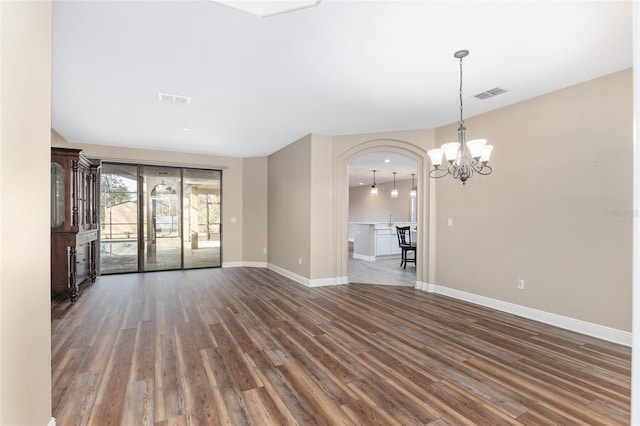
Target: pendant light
{"type": "Point", "coordinates": [374, 189]}
{"type": "Point", "coordinates": [394, 191]}
{"type": "Point", "coordinates": [414, 191]}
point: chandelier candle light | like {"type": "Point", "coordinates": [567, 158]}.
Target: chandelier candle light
{"type": "Point", "coordinates": [464, 158]}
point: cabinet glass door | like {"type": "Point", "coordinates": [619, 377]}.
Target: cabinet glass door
{"type": "Point", "coordinates": [57, 195]}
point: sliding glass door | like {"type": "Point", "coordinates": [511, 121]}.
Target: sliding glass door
{"type": "Point", "coordinates": [159, 218]}
{"type": "Point", "coordinates": [118, 218]}
{"type": "Point", "coordinates": [201, 207]}
{"type": "Point", "coordinates": [162, 244]}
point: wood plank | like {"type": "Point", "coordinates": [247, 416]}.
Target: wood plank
{"type": "Point", "coordinates": [263, 410]}
{"type": "Point", "coordinates": [326, 410]}
{"type": "Point", "coordinates": [112, 392]}
{"type": "Point", "coordinates": [228, 395]}
{"type": "Point", "coordinates": [138, 405]}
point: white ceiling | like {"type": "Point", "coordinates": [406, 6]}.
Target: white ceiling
{"type": "Point", "coordinates": [384, 163]}
{"type": "Point", "coordinates": [257, 84]}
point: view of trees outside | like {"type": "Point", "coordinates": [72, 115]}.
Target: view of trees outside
{"type": "Point", "coordinates": [208, 213]}
{"type": "Point", "coordinates": [117, 190]}
{"type": "Point", "coordinates": [118, 206]}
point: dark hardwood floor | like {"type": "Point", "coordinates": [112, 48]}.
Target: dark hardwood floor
{"type": "Point", "coordinates": [246, 346]}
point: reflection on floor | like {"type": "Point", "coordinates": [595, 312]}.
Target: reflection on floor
{"type": "Point", "coordinates": [384, 270]}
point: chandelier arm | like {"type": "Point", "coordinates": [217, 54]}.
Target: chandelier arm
{"type": "Point", "coordinates": [477, 166]}
{"type": "Point", "coordinates": [438, 173]}
{"type": "Point", "coordinates": [484, 173]}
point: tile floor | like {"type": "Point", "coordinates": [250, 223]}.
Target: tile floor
{"type": "Point", "coordinates": [384, 270]}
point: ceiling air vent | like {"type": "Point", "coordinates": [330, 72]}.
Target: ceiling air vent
{"type": "Point", "coordinates": [172, 98]}
{"type": "Point", "coordinates": [490, 93]}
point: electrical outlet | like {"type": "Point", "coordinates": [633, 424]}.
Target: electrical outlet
{"type": "Point", "coordinates": [299, 261]}
{"type": "Point", "coordinates": [521, 284]}
{"type": "Point", "coordinates": [264, 250]}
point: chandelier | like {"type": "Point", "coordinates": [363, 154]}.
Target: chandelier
{"type": "Point", "coordinates": [464, 158]}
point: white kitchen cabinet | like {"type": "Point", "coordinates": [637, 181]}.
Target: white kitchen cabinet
{"type": "Point", "coordinates": [386, 241]}
{"type": "Point", "coordinates": [372, 239]}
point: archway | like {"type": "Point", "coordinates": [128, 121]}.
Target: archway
{"type": "Point", "coordinates": [424, 193]}
{"type": "Point", "coordinates": [375, 256]}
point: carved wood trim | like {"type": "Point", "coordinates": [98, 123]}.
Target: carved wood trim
{"type": "Point", "coordinates": [74, 192]}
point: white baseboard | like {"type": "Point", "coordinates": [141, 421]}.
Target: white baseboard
{"type": "Point", "coordinates": [363, 257]}
{"type": "Point", "coordinates": [244, 264]}
{"type": "Point", "coordinates": [320, 282]}
{"type": "Point", "coordinates": [579, 326]}
{"type": "Point", "coordinates": [291, 275]}
{"type": "Point", "coordinates": [424, 286]}
{"type": "Point", "coordinates": [254, 264]}
{"type": "Point", "coordinates": [52, 422]}
{"type": "Point", "coordinates": [306, 281]}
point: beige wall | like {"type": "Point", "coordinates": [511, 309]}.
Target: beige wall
{"type": "Point", "coordinates": [557, 210]}
{"type": "Point", "coordinates": [25, 296]}
{"type": "Point", "coordinates": [289, 209]}
{"type": "Point", "coordinates": [322, 199]}
{"type": "Point", "coordinates": [232, 186]}
{"type": "Point", "coordinates": [58, 141]}
{"type": "Point", "coordinates": [635, 351]}
{"type": "Point", "coordinates": [365, 208]}
{"type": "Point", "coordinates": [254, 209]}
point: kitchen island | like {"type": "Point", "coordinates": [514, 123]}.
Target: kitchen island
{"type": "Point", "coordinates": [373, 239]}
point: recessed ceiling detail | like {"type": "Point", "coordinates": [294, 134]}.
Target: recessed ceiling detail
{"type": "Point", "coordinates": [172, 98]}
{"type": "Point", "coordinates": [266, 8]}
{"type": "Point", "coordinates": [491, 93]}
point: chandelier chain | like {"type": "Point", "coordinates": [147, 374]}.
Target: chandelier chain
{"type": "Point", "coordinates": [461, 122]}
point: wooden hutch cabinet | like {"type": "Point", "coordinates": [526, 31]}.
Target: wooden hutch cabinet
{"type": "Point", "coordinates": [74, 220]}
